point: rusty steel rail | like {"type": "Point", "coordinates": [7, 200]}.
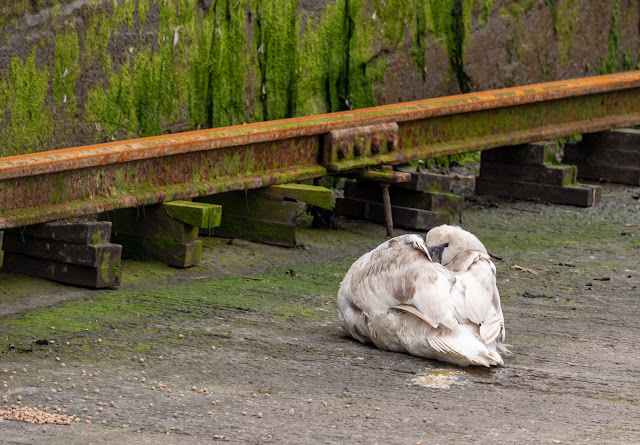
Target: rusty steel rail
{"type": "Point", "coordinates": [79, 181]}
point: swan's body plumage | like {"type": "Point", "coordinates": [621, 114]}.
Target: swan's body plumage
{"type": "Point", "coordinates": [399, 299]}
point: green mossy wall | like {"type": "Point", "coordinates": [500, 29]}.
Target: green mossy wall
{"type": "Point", "coordinates": [79, 72]}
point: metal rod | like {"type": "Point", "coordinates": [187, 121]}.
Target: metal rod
{"type": "Point", "coordinates": [386, 202]}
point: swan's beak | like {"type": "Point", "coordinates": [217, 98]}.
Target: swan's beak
{"type": "Point", "coordinates": [436, 252]}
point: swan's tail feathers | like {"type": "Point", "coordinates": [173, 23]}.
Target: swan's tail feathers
{"type": "Point", "coordinates": [502, 349]}
{"type": "Point", "coordinates": [490, 331]}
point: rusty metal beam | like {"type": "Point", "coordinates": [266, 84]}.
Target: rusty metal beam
{"type": "Point", "coordinates": [78, 181]}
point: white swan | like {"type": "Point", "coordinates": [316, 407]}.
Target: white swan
{"type": "Point", "coordinates": [399, 299]}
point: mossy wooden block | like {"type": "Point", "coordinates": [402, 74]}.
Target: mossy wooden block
{"type": "Point", "coordinates": [407, 218]}
{"type": "Point", "coordinates": [253, 204]}
{"type": "Point", "coordinates": [71, 253]}
{"type": "Point", "coordinates": [85, 233]}
{"type": "Point", "coordinates": [198, 214]}
{"type": "Point", "coordinates": [309, 194]}
{"type": "Point", "coordinates": [106, 274]}
{"type": "Point", "coordinates": [426, 182]}
{"type": "Point", "coordinates": [268, 232]}
{"type": "Point", "coordinates": [150, 222]}
{"type": "Point", "coordinates": [171, 252]}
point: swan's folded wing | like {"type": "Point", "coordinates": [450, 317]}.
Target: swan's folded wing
{"type": "Point", "coordinates": [432, 297]}
{"type": "Point", "coordinates": [436, 341]}
{"type": "Point", "coordinates": [476, 296]}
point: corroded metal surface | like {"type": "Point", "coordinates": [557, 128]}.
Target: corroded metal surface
{"type": "Point", "coordinates": [83, 180]}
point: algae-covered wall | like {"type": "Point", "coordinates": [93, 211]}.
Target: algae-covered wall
{"type": "Point", "coordinates": [75, 72]}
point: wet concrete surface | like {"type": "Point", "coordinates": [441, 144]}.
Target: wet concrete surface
{"type": "Point", "coordinates": [283, 372]}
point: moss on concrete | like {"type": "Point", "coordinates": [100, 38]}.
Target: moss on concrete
{"type": "Point", "coordinates": [609, 64]}
{"type": "Point", "coordinates": [23, 91]}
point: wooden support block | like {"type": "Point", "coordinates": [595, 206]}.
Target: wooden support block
{"type": "Point", "coordinates": [412, 219]}
{"type": "Point", "coordinates": [107, 274]}
{"type": "Point", "coordinates": [611, 156]}
{"type": "Point", "coordinates": [444, 202]}
{"type": "Point", "coordinates": [427, 182]}
{"type": "Point", "coordinates": [309, 194]}
{"type": "Point", "coordinates": [92, 232]}
{"type": "Point", "coordinates": [263, 231]}
{"type": "Point", "coordinates": [582, 196]}
{"type": "Point", "coordinates": [609, 173]}
{"type": "Point", "coordinates": [150, 233]}
{"type": "Point", "coordinates": [83, 255]}
{"type": "Point", "coordinates": [171, 252]}
{"type": "Point", "coordinates": [552, 175]}
{"type": "Point", "coordinates": [198, 214]}
{"type": "Point", "coordinates": [150, 222]}
{"type": "Point", "coordinates": [625, 139]}
{"type": "Point", "coordinates": [530, 154]}
{"type": "Point", "coordinates": [256, 216]}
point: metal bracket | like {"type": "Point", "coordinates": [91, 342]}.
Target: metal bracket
{"type": "Point", "coordinates": [356, 147]}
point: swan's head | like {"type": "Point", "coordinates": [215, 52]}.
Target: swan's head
{"type": "Point", "coordinates": [445, 242]}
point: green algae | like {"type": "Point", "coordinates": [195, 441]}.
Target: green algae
{"type": "Point", "coordinates": [277, 48]}
{"type": "Point", "coordinates": [609, 64]}
{"type": "Point", "coordinates": [23, 91]}
{"type": "Point", "coordinates": [275, 294]}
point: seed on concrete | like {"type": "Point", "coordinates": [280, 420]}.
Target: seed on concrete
{"type": "Point", "coordinates": [210, 412]}
{"type": "Point", "coordinates": [424, 419]}
{"type": "Point", "coordinates": [323, 403]}
{"type": "Point", "coordinates": [244, 413]}
{"type": "Point", "coordinates": [367, 416]}
{"type": "Point", "coordinates": [309, 400]}
{"type": "Point", "coordinates": [291, 412]}
{"type": "Point", "coordinates": [259, 415]}
{"type": "Point", "coordinates": [180, 336]}
{"type": "Point", "coordinates": [141, 360]}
